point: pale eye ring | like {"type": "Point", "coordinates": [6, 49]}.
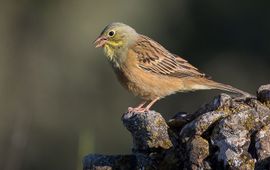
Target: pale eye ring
{"type": "Point", "coordinates": [111, 33]}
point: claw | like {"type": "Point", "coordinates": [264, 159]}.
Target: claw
{"type": "Point", "coordinates": [136, 109]}
{"type": "Point", "coordinates": [140, 108]}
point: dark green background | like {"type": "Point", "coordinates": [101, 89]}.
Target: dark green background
{"type": "Point", "coordinates": [59, 98]}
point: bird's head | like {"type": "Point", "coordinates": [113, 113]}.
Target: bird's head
{"type": "Point", "coordinates": [115, 39]}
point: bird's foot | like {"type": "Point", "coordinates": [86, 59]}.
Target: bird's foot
{"type": "Point", "coordinates": [140, 108]}
{"type": "Point", "coordinates": [137, 109]}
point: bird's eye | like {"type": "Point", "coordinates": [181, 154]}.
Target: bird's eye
{"type": "Point", "coordinates": [111, 33]}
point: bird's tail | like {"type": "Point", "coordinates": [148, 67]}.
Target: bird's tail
{"type": "Point", "coordinates": [210, 84]}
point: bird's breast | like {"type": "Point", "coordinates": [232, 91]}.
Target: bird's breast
{"type": "Point", "coordinates": [145, 84]}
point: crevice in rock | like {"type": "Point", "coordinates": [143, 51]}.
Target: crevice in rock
{"type": "Point", "coordinates": [252, 148]}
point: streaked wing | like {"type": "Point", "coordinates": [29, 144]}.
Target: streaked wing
{"type": "Point", "coordinates": [152, 57]}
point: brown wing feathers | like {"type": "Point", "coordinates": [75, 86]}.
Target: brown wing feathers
{"type": "Point", "coordinates": [160, 61]}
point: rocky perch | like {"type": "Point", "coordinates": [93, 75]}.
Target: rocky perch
{"type": "Point", "coordinates": [227, 133]}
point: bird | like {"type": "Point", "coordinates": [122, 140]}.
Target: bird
{"type": "Point", "coordinates": [149, 70]}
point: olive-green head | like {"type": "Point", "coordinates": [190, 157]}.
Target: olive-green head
{"type": "Point", "coordinates": [116, 38]}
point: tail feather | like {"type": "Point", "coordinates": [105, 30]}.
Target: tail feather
{"type": "Point", "coordinates": [203, 84]}
{"type": "Point", "coordinates": [220, 86]}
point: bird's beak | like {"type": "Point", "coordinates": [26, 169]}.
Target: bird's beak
{"type": "Point", "coordinates": [100, 41]}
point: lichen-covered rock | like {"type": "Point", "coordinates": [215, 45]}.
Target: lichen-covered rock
{"type": "Point", "coordinates": [232, 137]}
{"type": "Point", "coordinates": [179, 120]}
{"type": "Point", "coordinates": [227, 133]}
{"type": "Point", "coordinates": [262, 145]}
{"type": "Point", "coordinates": [109, 162]}
{"type": "Point", "coordinates": [263, 94]}
{"type": "Point", "coordinates": [207, 116]}
{"type": "Point", "coordinates": [198, 151]}
{"type": "Point", "coordinates": [148, 129]}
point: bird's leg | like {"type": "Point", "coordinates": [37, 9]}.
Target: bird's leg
{"type": "Point", "coordinates": [151, 104]}
{"type": "Point", "coordinates": [138, 108]}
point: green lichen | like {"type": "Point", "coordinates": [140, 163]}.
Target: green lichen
{"type": "Point", "coordinates": [224, 108]}
{"type": "Point", "coordinates": [267, 104]}
{"type": "Point", "coordinates": [167, 144]}
{"type": "Point", "coordinates": [247, 163]}
{"type": "Point", "coordinates": [230, 162]}
{"type": "Point", "coordinates": [160, 122]}
{"type": "Point", "coordinates": [240, 108]}
{"type": "Point", "coordinates": [148, 128]}
{"type": "Point", "coordinates": [249, 122]}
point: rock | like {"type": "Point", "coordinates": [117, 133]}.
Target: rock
{"type": "Point", "coordinates": [262, 145]}
{"type": "Point", "coordinates": [102, 162]}
{"type": "Point", "coordinates": [179, 120]}
{"type": "Point", "coordinates": [149, 130]}
{"type": "Point", "coordinates": [207, 116]}
{"type": "Point", "coordinates": [226, 133]}
{"type": "Point", "coordinates": [232, 137]}
{"type": "Point", "coordinates": [263, 94]}
{"type": "Point", "coordinates": [198, 151]}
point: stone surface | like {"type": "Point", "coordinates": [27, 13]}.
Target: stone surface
{"type": "Point", "coordinates": [198, 151]}
{"type": "Point", "coordinates": [226, 133]}
{"type": "Point", "coordinates": [207, 116]}
{"type": "Point", "coordinates": [148, 129]}
{"type": "Point", "coordinates": [109, 162]}
{"type": "Point", "coordinates": [263, 94]}
{"type": "Point", "coordinates": [262, 145]}
{"type": "Point", "coordinates": [232, 137]}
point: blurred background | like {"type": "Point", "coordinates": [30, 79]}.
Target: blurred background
{"type": "Point", "coordinates": [59, 98]}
